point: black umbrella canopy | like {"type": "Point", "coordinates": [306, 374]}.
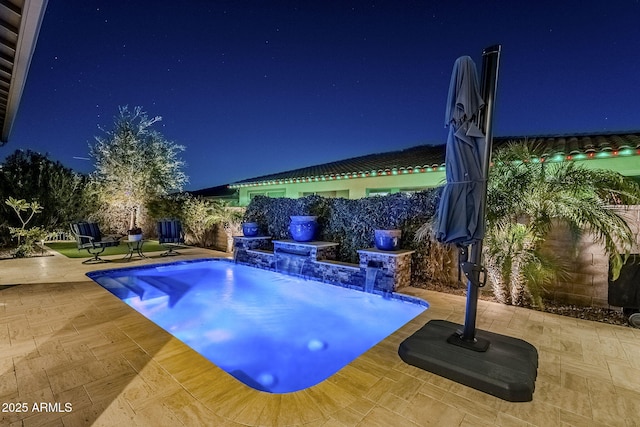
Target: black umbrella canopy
{"type": "Point", "coordinates": [460, 214]}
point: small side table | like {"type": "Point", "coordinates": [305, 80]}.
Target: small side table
{"type": "Point", "coordinates": [134, 246]}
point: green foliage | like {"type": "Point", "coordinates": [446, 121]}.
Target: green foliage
{"type": "Point", "coordinates": [526, 198]}
{"type": "Point", "coordinates": [26, 236]}
{"type": "Point", "coordinates": [230, 218]}
{"type": "Point", "coordinates": [351, 223]}
{"type": "Point", "coordinates": [198, 215]}
{"type": "Point", "coordinates": [32, 176]}
{"type": "Point", "coordinates": [169, 206]}
{"type": "Point", "coordinates": [22, 205]}
{"type": "Point", "coordinates": [134, 164]}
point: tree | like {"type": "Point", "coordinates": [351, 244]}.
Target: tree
{"type": "Point", "coordinates": [133, 164]}
{"type": "Point", "coordinates": [526, 197]}
{"type": "Point", "coordinates": [33, 176]}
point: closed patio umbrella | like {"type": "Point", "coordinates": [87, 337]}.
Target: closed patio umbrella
{"type": "Point", "coordinates": [461, 212]}
{"type": "Point", "coordinates": [496, 364]}
{"type": "Point", "coordinates": [460, 215]}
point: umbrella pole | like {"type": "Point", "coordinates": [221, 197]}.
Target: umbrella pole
{"type": "Point", "coordinates": [467, 339]}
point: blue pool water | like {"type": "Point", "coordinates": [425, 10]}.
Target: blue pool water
{"type": "Point", "coordinates": [273, 332]}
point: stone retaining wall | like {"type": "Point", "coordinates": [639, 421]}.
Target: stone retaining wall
{"type": "Point", "coordinates": [316, 260]}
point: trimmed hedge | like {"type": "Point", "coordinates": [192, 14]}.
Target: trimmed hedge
{"type": "Point", "coordinates": [351, 223]}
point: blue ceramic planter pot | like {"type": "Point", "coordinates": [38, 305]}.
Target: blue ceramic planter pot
{"type": "Point", "coordinates": [250, 229]}
{"type": "Point", "coordinates": [303, 228]}
{"type": "Point", "coordinates": [387, 240]}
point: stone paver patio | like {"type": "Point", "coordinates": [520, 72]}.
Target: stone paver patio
{"type": "Point", "coordinates": [67, 343]}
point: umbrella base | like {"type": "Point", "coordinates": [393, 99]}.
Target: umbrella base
{"type": "Point", "coordinates": [507, 369]}
{"type": "Point", "coordinates": [478, 344]}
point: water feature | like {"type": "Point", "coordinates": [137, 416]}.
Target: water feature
{"type": "Point", "coordinates": [291, 261]}
{"type": "Point", "coordinates": [274, 332]}
{"type": "Point", "coordinates": [373, 268]}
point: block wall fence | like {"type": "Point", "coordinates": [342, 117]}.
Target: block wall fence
{"type": "Point", "coordinates": [588, 280]}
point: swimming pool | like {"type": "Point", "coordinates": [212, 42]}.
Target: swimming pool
{"type": "Point", "coordinates": [273, 332]}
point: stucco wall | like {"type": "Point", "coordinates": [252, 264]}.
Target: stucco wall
{"type": "Point", "coordinates": [356, 187]}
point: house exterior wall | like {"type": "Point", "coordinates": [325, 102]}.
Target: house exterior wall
{"type": "Point", "coordinates": [627, 165]}
{"type": "Point", "coordinates": [351, 188]}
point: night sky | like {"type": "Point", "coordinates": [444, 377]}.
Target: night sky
{"type": "Point", "coordinates": [258, 87]}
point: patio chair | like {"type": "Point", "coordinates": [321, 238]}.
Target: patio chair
{"type": "Point", "coordinates": [170, 235]}
{"type": "Point", "coordinates": [89, 237]}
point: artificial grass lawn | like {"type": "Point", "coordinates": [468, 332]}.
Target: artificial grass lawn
{"type": "Point", "coordinates": [70, 249]}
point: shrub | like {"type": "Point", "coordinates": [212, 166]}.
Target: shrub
{"type": "Point", "coordinates": [198, 215]}
{"type": "Point", "coordinates": [26, 236]}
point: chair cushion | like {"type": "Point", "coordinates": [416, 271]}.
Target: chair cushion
{"type": "Point", "coordinates": [90, 229]}
{"type": "Point", "coordinates": [170, 231]}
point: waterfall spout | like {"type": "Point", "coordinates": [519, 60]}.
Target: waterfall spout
{"type": "Point", "coordinates": [290, 261]}
{"type": "Point", "coordinates": [373, 267]}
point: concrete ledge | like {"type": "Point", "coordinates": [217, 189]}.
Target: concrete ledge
{"type": "Point", "coordinates": [355, 267]}
{"type": "Point", "coordinates": [260, 251]}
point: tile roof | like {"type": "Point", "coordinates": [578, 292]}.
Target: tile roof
{"type": "Point", "coordinates": [431, 157]}
{"type": "Point", "coordinates": [217, 191]}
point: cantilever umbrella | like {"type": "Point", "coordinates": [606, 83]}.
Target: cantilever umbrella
{"type": "Point", "coordinates": [496, 364]}
{"type": "Point", "coordinates": [460, 216]}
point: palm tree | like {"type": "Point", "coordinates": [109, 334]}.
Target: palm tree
{"type": "Point", "coordinates": [526, 197]}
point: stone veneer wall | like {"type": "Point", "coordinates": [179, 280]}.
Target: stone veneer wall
{"type": "Point", "coordinates": [587, 283]}
{"type": "Point", "coordinates": [254, 251]}
{"type": "Point", "coordinates": [317, 260]}
{"type": "Point", "coordinates": [396, 266]}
